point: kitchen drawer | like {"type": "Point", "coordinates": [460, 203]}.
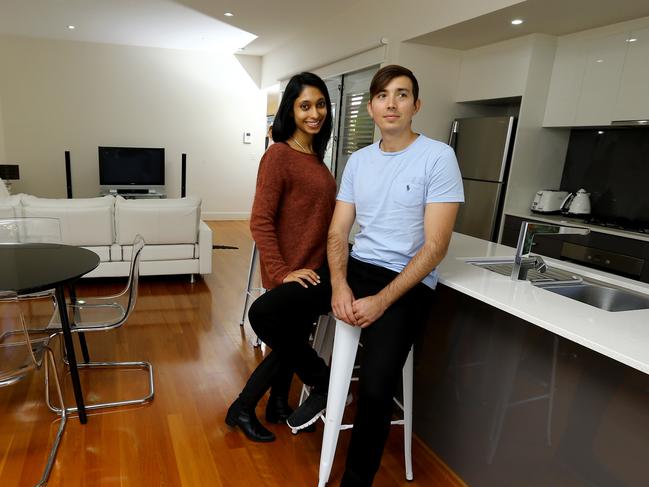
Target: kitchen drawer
{"type": "Point", "coordinates": [609, 261]}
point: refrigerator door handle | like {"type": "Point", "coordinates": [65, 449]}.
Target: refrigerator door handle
{"type": "Point", "coordinates": [453, 136]}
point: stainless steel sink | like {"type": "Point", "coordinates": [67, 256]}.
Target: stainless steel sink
{"type": "Point", "coordinates": [573, 286]}
{"type": "Point", "coordinates": [504, 267]}
{"type": "Point", "coordinates": [602, 297]}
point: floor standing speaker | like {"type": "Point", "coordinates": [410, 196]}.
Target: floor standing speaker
{"type": "Point", "coordinates": [183, 176]}
{"type": "Point", "coordinates": [68, 174]}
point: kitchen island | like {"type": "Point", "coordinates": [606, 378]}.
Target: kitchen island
{"type": "Point", "coordinates": [515, 385]}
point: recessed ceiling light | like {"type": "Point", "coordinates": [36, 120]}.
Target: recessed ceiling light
{"type": "Point", "coordinates": [599, 61]}
{"type": "Point", "coordinates": [632, 39]}
{"type": "Point", "coordinates": [517, 22]}
{"type": "Point", "coordinates": [600, 132]}
{"type": "Point", "coordinates": [71, 27]}
{"type": "Point", "coordinates": [228, 14]}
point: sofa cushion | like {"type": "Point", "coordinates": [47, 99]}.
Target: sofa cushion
{"type": "Point", "coordinates": [84, 221]}
{"type": "Point", "coordinates": [116, 253]}
{"type": "Point", "coordinates": [161, 252]}
{"type": "Point", "coordinates": [159, 221]}
{"type": "Point", "coordinates": [10, 206]}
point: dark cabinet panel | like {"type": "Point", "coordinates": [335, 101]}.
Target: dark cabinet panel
{"type": "Point", "coordinates": [506, 403]}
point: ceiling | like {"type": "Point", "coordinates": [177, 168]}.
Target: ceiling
{"type": "Point", "coordinates": [153, 23]}
{"type": "Point", "coordinates": [274, 22]}
{"type": "Point", "coordinates": [260, 26]}
{"type": "Point", "coordinates": [553, 17]}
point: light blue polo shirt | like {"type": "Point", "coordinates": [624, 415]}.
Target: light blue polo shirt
{"type": "Point", "coordinates": [390, 191]}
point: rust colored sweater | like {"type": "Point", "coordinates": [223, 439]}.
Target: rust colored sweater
{"type": "Point", "coordinates": [294, 202]}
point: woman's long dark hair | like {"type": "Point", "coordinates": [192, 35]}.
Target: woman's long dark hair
{"type": "Point", "coordinates": [284, 124]}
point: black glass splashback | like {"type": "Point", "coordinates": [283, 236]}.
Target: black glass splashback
{"type": "Point", "coordinates": [613, 165]}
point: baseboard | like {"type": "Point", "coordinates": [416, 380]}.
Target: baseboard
{"type": "Point", "coordinates": [223, 215]}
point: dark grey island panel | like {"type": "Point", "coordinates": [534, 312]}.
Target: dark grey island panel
{"type": "Point", "coordinates": [506, 403]}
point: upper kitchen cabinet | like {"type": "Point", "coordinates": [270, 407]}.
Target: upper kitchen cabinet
{"type": "Point", "coordinates": [565, 85]}
{"type": "Point", "coordinates": [585, 81]}
{"type": "Point", "coordinates": [633, 100]}
{"type": "Point", "coordinates": [599, 89]}
{"type": "Point", "coordinates": [600, 76]}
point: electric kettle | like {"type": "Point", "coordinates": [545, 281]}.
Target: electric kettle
{"type": "Point", "coordinates": [577, 203]}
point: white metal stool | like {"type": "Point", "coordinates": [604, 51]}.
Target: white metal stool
{"type": "Point", "coordinates": [346, 341]}
{"type": "Point", "coordinates": [250, 290]}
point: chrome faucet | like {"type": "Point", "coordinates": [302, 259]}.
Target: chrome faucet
{"type": "Point", "coordinates": [523, 261]}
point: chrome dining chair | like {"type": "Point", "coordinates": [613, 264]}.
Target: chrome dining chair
{"type": "Point", "coordinates": [22, 354]}
{"type": "Point", "coordinates": [104, 313]}
{"type": "Point", "coordinates": [30, 230]}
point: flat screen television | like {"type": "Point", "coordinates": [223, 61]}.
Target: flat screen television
{"type": "Point", "coordinates": [131, 168]}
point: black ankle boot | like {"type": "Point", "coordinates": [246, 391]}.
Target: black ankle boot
{"type": "Point", "coordinates": [247, 422]}
{"type": "Point", "coordinates": [277, 409]}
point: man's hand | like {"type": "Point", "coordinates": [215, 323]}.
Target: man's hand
{"type": "Point", "coordinates": [342, 298]}
{"type": "Point", "coordinates": [367, 310]}
{"type": "Point", "coordinates": [303, 276]}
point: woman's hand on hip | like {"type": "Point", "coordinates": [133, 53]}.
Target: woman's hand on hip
{"type": "Point", "coordinates": [303, 276]}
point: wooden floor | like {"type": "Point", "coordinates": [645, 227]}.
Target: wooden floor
{"type": "Point", "coordinates": [202, 358]}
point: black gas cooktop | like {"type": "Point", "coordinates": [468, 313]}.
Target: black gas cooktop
{"type": "Point", "coordinates": [619, 224]}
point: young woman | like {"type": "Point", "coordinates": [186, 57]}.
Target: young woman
{"type": "Point", "coordinates": [294, 202]}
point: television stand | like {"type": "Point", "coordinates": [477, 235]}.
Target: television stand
{"type": "Point", "coordinates": [136, 193]}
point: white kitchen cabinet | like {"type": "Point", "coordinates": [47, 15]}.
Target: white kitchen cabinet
{"type": "Point", "coordinates": [565, 85]}
{"type": "Point", "coordinates": [601, 80]}
{"type": "Point", "coordinates": [633, 94]}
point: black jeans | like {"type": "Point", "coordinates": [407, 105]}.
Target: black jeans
{"type": "Point", "coordinates": [287, 329]}
{"type": "Point", "coordinates": [283, 318]}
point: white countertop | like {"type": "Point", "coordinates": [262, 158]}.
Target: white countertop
{"type": "Point", "coordinates": [621, 335]}
{"type": "Point", "coordinates": [579, 222]}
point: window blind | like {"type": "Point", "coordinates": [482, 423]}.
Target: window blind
{"type": "Point", "coordinates": [358, 126]}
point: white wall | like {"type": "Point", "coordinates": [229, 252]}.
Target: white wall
{"type": "Point", "coordinates": [437, 71]}
{"type": "Point", "coordinates": [59, 95]}
{"type": "Point", "coordinates": [497, 70]}
{"type": "Point", "coordinates": [362, 25]}
{"type": "Point", "coordinates": [3, 155]}
{"type": "Point", "coordinates": [539, 153]}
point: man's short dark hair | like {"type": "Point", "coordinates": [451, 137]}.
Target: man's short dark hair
{"type": "Point", "coordinates": [386, 74]}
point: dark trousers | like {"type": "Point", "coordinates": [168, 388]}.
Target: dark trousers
{"type": "Point", "coordinates": [269, 374]}
{"type": "Point", "coordinates": [283, 318]}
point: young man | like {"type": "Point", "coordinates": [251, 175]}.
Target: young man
{"type": "Point", "coordinates": [404, 192]}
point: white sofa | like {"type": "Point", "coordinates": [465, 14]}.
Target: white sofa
{"type": "Point", "coordinates": [177, 241]}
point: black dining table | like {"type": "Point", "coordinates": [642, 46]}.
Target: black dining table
{"type": "Point", "coordinates": [33, 267]}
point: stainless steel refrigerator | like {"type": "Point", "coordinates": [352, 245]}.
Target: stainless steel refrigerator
{"type": "Point", "coordinates": [483, 148]}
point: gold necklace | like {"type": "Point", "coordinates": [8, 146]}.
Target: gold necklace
{"type": "Point", "coordinates": [301, 146]}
